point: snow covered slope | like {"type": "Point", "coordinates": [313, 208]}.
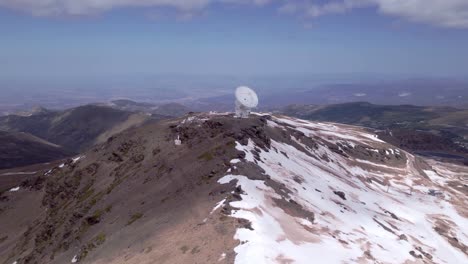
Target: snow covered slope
{"type": "Point", "coordinates": [337, 194]}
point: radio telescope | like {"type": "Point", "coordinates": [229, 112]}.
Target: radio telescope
{"type": "Point", "coordinates": [246, 99]}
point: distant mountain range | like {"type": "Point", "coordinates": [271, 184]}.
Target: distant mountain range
{"type": "Point", "coordinates": [273, 91]}
{"type": "Point", "coordinates": [414, 128]}
{"type": "Point", "coordinates": [421, 92]}
{"type": "Point", "coordinates": [433, 92]}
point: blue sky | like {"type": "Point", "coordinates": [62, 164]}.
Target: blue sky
{"type": "Point", "coordinates": [248, 38]}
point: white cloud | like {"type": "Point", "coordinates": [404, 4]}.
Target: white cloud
{"type": "Point", "coordinates": [404, 94]}
{"type": "Point", "coordinates": [360, 94]}
{"type": "Point", "coordinates": [446, 13]}
{"type": "Point", "coordinates": [255, 2]}
{"type": "Point", "coordinates": [443, 13]}
{"type": "Point", "coordinates": [86, 7]}
{"type": "Point", "coordinates": [311, 9]}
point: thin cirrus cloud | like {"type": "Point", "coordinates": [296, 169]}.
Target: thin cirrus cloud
{"type": "Point", "coordinates": [442, 13]}
{"type": "Point", "coordinates": [88, 7]}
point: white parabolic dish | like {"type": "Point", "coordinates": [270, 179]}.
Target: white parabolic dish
{"type": "Point", "coordinates": [247, 97]}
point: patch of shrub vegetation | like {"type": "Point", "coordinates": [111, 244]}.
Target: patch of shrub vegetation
{"type": "Point", "coordinates": [96, 198]}
{"type": "Point", "coordinates": [134, 217]}
{"type": "Point", "coordinates": [195, 250]}
{"type": "Point", "coordinates": [207, 156]}
{"type": "Point", "coordinates": [114, 184]}
{"type": "Point", "coordinates": [184, 249]}
{"type": "Point", "coordinates": [94, 243]}
{"type": "Point", "coordinates": [86, 192]}
{"type": "Point", "coordinates": [82, 229]}
{"type": "Point", "coordinates": [231, 143]}
{"type": "Point", "coordinates": [205, 179]}
{"type": "Point", "coordinates": [100, 239]}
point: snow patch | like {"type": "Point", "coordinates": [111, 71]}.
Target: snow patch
{"type": "Point", "coordinates": [188, 120]}
{"type": "Point", "coordinates": [218, 205]}
{"type": "Point", "coordinates": [234, 161]}
{"type": "Point", "coordinates": [222, 257]}
{"type": "Point", "coordinates": [75, 160]}
{"type": "Point", "coordinates": [15, 189]}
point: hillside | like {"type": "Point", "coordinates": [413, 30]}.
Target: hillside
{"type": "Point", "coordinates": [74, 129]}
{"type": "Point", "coordinates": [268, 189]}
{"type": "Point", "coordinates": [20, 149]}
{"type": "Point", "coordinates": [413, 128]}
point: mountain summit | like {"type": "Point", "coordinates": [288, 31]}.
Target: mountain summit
{"type": "Point", "coordinates": [266, 189]}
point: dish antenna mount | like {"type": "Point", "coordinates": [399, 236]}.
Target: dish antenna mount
{"type": "Point", "coordinates": [246, 99]}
